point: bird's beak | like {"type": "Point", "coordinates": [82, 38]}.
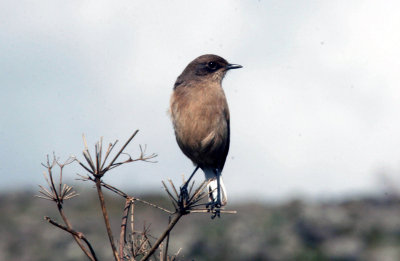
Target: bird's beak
{"type": "Point", "coordinates": [233, 66]}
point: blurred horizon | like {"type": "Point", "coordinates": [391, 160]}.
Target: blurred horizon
{"type": "Point", "coordinates": [353, 229]}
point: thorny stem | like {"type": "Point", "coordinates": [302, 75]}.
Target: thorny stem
{"type": "Point", "coordinates": [106, 219]}
{"type": "Point", "coordinates": [161, 238]}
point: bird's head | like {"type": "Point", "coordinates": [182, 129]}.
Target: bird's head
{"type": "Point", "coordinates": [208, 67]}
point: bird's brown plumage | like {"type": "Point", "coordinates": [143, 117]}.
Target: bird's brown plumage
{"type": "Point", "coordinates": [200, 113]}
{"type": "Point", "coordinates": [200, 116]}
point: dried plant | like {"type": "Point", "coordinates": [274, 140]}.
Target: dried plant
{"type": "Point", "coordinates": [133, 245]}
{"type": "Point", "coordinates": [63, 193]}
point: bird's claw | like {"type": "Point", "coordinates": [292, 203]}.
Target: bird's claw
{"type": "Point", "coordinates": [215, 209]}
{"type": "Point", "coordinates": [184, 192]}
{"type": "Point", "coordinates": [184, 196]}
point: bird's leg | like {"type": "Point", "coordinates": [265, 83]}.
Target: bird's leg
{"type": "Point", "coordinates": [191, 176]}
{"type": "Point", "coordinates": [219, 204]}
{"type": "Point", "coordinates": [216, 204]}
{"type": "Point", "coordinates": [184, 191]}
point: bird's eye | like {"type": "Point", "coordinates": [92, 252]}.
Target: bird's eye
{"type": "Point", "coordinates": [212, 65]}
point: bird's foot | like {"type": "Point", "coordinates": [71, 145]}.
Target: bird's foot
{"type": "Point", "coordinates": [215, 208]}
{"type": "Point", "coordinates": [184, 195]}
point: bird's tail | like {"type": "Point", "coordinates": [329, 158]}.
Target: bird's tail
{"type": "Point", "coordinates": [213, 186]}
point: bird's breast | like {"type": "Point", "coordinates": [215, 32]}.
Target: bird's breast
{"type": "Point", "coordinates": [200, 117]}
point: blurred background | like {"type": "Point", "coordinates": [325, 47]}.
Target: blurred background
{"type": "Point", "coordinates": [315, 146]}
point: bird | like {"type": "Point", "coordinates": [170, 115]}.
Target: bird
{"type": "Point", "coordinates": [201, 120]}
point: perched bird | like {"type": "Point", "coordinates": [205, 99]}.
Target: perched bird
{"type": "Point", "coordinates": [200, 116]}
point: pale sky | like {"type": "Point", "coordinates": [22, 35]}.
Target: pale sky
{"type": "Point", "coordinates": [314, 111]}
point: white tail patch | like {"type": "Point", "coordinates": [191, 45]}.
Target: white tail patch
{"type": "Point", "coordinates": [213, 186]}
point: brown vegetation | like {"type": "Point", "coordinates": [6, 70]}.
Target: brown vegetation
{"type": "Point", "coordinates": [133, 245]}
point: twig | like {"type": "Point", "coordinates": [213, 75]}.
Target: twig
{"type": "Point", "coordinates": [177, 253]}
{"type": "Point", "coordinates": [191, 187]}
{"type": "Point", "coordinates": [175, 202]}
{"type": "Point", "coordinates": [121, 150]}
{"type": "Point", "coordinates": [173, 187]}
{"type": "Point", "coordinates": [106, 219]}
{"type": "Point", "coordinates": [208, 210]}
{"type": "Point", "coordinates": [69, 226]}
{"type": "Point", "coordinates": [109, 149]}
{"type": "Point", "coordinates": [122, 238]}
{"type": "Point", "coordinates": [167, 243]}
{"type": "Point", "coordinates": [164, 234]}
{"type": "Point", "coordinates": [132, 229]}
{"type": "Point", "coordinates": [79, 235]}
{"type": "Point", "coordinates": [123, 194]}
{"type": "Point", "coordinates": [59, 196]}
{"type": "Point", "coordinates": [86, 154]}
{"type": "Point", "coordinates": [98, 170]}
{"type": "Point", "coordinates": [114, 189]}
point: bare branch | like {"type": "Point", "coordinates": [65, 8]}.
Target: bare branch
{"type": "Point", "coordinates": [163, 235]}
{"type": "Point", "coordinates": [87, 155]}
{"type": "Point", "coordinates": [106, 219]}
{"type": "Point", "coordinates": [206, 210]}
{"type": "Point", "coordinates": [167, 243]}
{"type": "Point", "coordinates": [80, 235]}
{"type": "Point", "coordinates": [123, 194]}
{"type": "Point", "coordinates": [109, 149]}
{"type": "Point", "coordinates": [173, 187]}
{"type": "Point", "coordinates": [122, 237]}
{"type": "Point", "coordinates": [86, 168]}
{"type": "Point", "coordinates": [121, 150]}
